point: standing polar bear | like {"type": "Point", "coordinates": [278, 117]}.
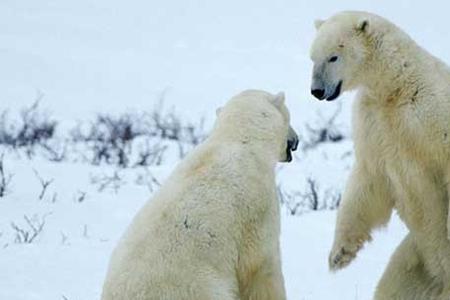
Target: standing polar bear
{"type": "Point", "coordinates": [212, 231]}
{"type": "Point", "coordinates": [401, 128]}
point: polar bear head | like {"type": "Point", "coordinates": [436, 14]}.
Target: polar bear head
{"type": "Point", "coordinates": [340, 53]}
{"type": "Point", "coordinates": [260, 121]}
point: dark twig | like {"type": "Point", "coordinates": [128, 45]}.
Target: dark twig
{"type": "Point", "coordinates": [5, 179]}
{"type": "Point", "coordinates": [44, 184]}
{"type": "Point", "coordinates": [28, 235]}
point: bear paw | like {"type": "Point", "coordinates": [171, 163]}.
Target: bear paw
{"type": "Point", "coordinates": [342, 254]}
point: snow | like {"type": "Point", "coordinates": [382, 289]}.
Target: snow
{"type": "Point", "coordinates": [97, 56]}
{"type": "Point", "coordinates": [69, 259]}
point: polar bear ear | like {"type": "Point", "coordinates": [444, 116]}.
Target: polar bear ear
{"type": "Point", "coordinates": [362, 25]}
{"type": "Point", "coordinates": [279, 99]}
{"type": "Point", "coordinates": [318, 23]}
{"type": "Point", "coordinates": [218, 111]}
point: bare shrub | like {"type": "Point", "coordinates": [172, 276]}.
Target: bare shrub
{"type": "Point", "coordinates": [325, 131]}
{"type": "Point", "coordinates": [54, 197]}
{"type": "Point", "coordinates": [30, 129]}
{"type": "Point", "coordinates": [151, 155]}
{"type": "Point", "coordinates": [85, 231]}
{"type": "Point", "coordinates": [64, 238]}
{"type": "Point", "coordinates": [292, 201]}
{"type": "Point", "coordinates": [114, 139]}
{"type": "Point", "coordinates": [125, 140]}
{"type": "Point", "coordinates": [106, 181]}
{"type": "Point", "coordinates": [311, 199]}
{"type": "Point", "coordinates": [27, 233]}
{"type": "Point", "coordinates": [5, 178]}
{"type": "Point", "coordinates": [80, 196]}
{"type": "Point", "coordinates": [312, 195]}
{"type": "Point", "coordinates": [169, 126]}
{"type": "Point", "coordinates": [45, 183]}
{"type": "Point", "coordinates": [109, 138]}
{"type": "Point", "coordinates": [56, 151]}
{"type": "Point", "coordinates": [149, 180]}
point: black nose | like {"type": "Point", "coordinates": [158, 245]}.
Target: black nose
{"type": "Point", "coordinates": [318, 93]}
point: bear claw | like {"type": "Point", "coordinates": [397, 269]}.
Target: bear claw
{"type": "Point", "coordinates": [344, 255]}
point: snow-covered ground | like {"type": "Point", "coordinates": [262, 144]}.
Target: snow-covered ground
{"type": "Point", "coordinates": [88, 57]}
{"type": "Point", "coordinates": [68, 260]}
{"type": "Point", "coordinates": [86, 208]}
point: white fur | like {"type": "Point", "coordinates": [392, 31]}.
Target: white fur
{"type": "Point", "coordinates": [401, 130]}
{"type": "Point", "coordinates": [212, 231]}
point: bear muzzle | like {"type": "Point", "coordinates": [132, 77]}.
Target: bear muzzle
{"type": "Point", "coordinates": [336, 93]}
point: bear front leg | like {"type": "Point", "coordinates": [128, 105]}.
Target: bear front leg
{"type": "Point", "coordinates": [366, 204]}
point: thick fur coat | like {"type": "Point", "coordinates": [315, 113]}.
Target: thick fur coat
{"type": "Point", "coordinates": [212, 231]}
{"type": "Point", "coordinates": [401, 131]}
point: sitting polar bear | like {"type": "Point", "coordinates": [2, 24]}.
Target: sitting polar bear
{"type": "Point", "coordinates": [401, 128]}
{"type": "Point", "coordinates": [212, 231]}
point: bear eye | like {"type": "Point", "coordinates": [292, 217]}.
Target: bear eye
{"type": "Point", "coordinates": [333, 59]}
